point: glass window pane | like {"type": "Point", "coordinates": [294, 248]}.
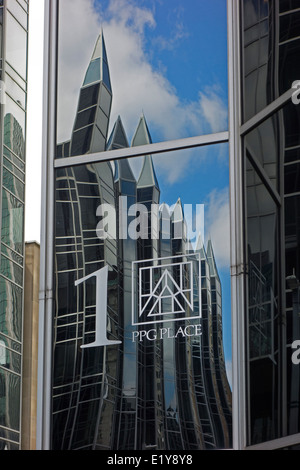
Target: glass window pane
{"type": "Point", "coordinates": [262, 49]}
{"type": "Point", "coordinates": [16, 40]}
{"type": "Point", "coordinates": [10, 386]}
{"type": "Point", "coordinates": [12, 222]}
{"type": "Point", "coordinates": [160, 224]}
{"type": "Point", "coordinates": [10, 303]}
{"type": "Point", "coordinates": [15, 91]}
{"type": "Point", "coordinates": [165, 60]}
{"type": "Point", "coordinates": [18, 12]}
{"type": "Point", "coordinates": [13, 184]}
{"type": "Point", "coordinates": [289, 26]}
{"type": "Point", "coordinates": [14, 128]}
{"type": "Point", "coordinates": [262, 316]}
{"type": "Point", "coordinates": [262, 144]}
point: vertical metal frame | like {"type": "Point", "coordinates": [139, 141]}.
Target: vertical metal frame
{"type": "Point", "coordinates": [238, 271]}
{"type": "Point", "coordinates": [46, 294]}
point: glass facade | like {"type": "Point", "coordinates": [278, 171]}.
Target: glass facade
{"type": "Point", "coordinates": [152, 34]}
{"type": "Point", "coordinates": [13, 40]}
{"type": "Point", "coordinates": [139, 250]}
{"type": "Point", "coordinates": [149, 383]}
{"type": "Point", "coordinates": [161, 392]}
{"type": "Point", "coordinates": [271, 52]}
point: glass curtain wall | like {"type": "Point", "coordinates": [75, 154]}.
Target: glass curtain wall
{"type": "Point", "coordinates": [270, 66]}
{"type": "Point", "coordinates": [141, 241]}
{"type": "Point", "coordinates": [13, 44]}
{"type": "Point", "coordinates": [157, 86]}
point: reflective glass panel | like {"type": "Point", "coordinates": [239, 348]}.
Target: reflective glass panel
{"type": "Point", "coordinates": [262, 319]}
{"type": "Point", "coordinates": [146, 240]}
{"type": "Point", "coordinates": [16, 40]}
{"type": "Point", "coordinates": [263, 147]}
{"type": "Point", "coordinates": [161, 57]}
{"type": "Point", "coordinates": [271, 51]}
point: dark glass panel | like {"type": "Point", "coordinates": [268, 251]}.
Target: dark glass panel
{"type": "Point", "coordinates": [291, 113]}
{"type": "Point", "coordinates": [262, 318]}
{"type": "Point", "coordinates": [66, 298]}
{"type": "Point", "coordinates": [64, 365]}
{"type": "Point", "coordinates": [262, 144]}
{"type": "Point", "coordinates": [10, 400]}
{"type": "Point", "coordinates": [289, 64]}
{"type": "Point", "coordinates": [88, 97]}
{"type": "Point", "coordinates": [81, 141]}
{"type": "Point", "coordinates": [292, 155]}
{"type": "Point", "coordinates": [10, 303]}
{"type": "Point", "coordinates": [12, 222]}
{"type": "Point", "coordinates": [251, 12]}
{"type": "Point", "coordinates": [289, 26]}
{"type": "Point", "coordinates": [286, 5]}
{"type": "Point", "coordinates": [292, 178]}
{"type": "Point", "coordinates": [64, 219]}
{"type": "Point", "coordinates": [85, 118]}
{"type": "Point", "coordinates": [122, 376]}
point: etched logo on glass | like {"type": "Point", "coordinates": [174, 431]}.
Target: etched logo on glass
{"type": "Point", "coordinates": [166, 289]}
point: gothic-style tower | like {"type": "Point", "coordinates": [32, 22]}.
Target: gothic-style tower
{"type": "Point", "coordinates": [94, 105]}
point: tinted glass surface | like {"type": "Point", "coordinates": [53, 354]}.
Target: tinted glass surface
{"type": "Point", "coordinates": [147, 395]}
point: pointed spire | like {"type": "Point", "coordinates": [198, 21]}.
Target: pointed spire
{"type": "Point", "coordinates": [119, 140]}
{"type": "Point", "coordinates": [117, 137]}
{"type": "Point", "coordinates": [179, 222]}
{"type": "Point", "coordinates": [211, 259]}
{"type": "Point", "coordinates": [164, 210]}
{"type": "Point", "coordinates": [177, 214]}
{"type": "Point", "coordinates": [124, 171]}
{"type": "Point", "coordinates": [147, 176]}
{"type": "Point", "coordinates": [98, 67]}
{"type": "Point", "coordinates": [142, 135]}
{"type": "Point", "coordinates": [200, 247]}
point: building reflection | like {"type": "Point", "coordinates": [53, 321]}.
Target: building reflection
{"type": "Point", "coordinates": [165, 394]}
{"type": "Point", "coordinates": [270, 31]}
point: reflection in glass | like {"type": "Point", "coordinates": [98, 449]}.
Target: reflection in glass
{"type": "Point", "coordinates": [153, 396]}
{"type": "Point", "coordinates": [159, 60]}
{"type": "Point", "coordinates": [271, 52]}
{"type": "Point", "coordinates": [164, 393]}
{"type": "Point", "coordinates": [257, 19]}
{"type": "Point", "coordinates": [15, 50]}
{"type": "Point", "coordinates": [13, 64]}
{"type": "Point", "coordinates": [262, 318]}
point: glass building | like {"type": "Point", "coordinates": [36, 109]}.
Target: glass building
{"type": "Point", "coordinates": [118, 396]}
{"type": "Point", "coordinates": [121, 395]}
{"type": "Point", "coordinates": [13, 37]}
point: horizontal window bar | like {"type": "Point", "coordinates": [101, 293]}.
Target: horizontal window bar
{"type": "Point", "coordinates": [151, 149]}
{"type": "Point", "coordinates": [266, 112]}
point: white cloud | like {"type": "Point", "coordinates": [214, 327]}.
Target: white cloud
{"type": "Point", "coordinates": [217, 225]}
{"type": "Point", "coordinates": [213, 109]}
